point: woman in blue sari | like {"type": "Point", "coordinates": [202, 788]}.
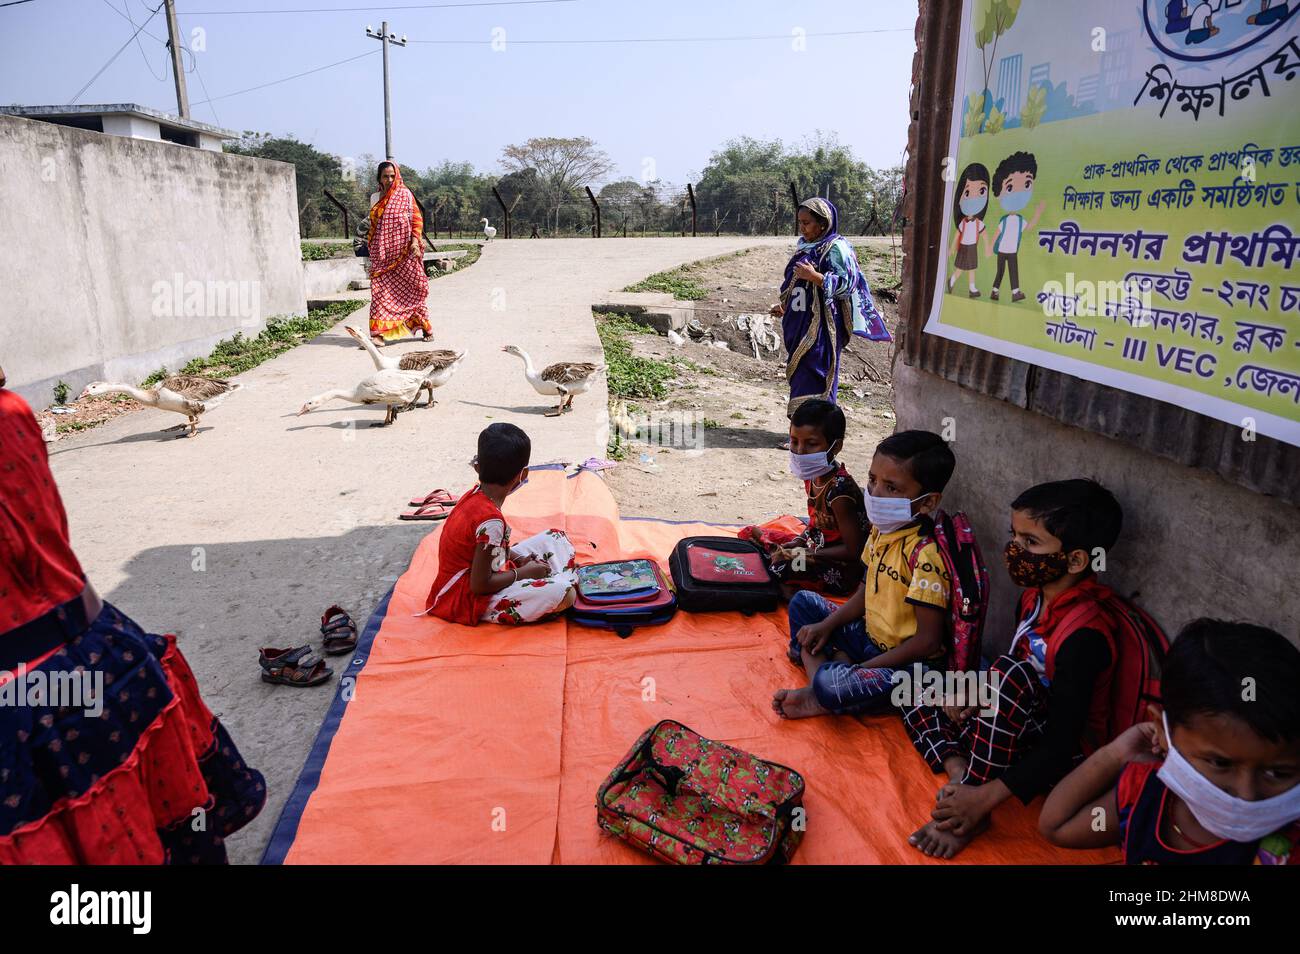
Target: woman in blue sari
{"type": "Point", "coordinates": [824, 299]}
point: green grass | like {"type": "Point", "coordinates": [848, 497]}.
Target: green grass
{"type": "Point", "coordinates": [317, 251]}
{"type": "Point", "coordinates": [675, 282]}
{"type": "Point", "coordinates": [238, 354]}
{"type": "Point", "coordinates": [630, 376]}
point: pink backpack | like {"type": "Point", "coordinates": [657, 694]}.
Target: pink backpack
{"type": "Point", "coordinates": [955, 539]}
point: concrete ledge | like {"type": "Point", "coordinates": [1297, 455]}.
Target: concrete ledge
{"type": "Point", "coordinates": [657, 310]}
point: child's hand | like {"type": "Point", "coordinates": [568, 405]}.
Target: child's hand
{"type": "Point", "coordinates": [777, 310]}
{"type": "Point", "coordinates": [960, 808]}
{"type": "Point", "coordinates": [958, 714]}
{"type": "Point", "coordinates": [1138, 743]}
{"type": "Point", "coordinates": [814, 637]}
{"type": "Point", "coordinates": [532, 571]}
{"type": "Point", "coordinates": [526, 559]}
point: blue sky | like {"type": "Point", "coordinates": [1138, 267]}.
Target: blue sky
{"type": "Point", "coordinates": [673, 103]}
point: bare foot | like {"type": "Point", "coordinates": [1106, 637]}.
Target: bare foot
{"type": "Point", "coordinates": [797, 703]}
{"type": "Point", "coordinates": [929, 840]}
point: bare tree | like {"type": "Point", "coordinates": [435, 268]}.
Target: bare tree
{"type": "Point", "coordinates": [563, 165]}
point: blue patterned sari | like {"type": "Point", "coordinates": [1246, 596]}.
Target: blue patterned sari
{"type": "Point", "coordinates": [818, 321]}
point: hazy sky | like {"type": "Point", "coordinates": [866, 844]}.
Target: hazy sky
{"type": "Point", "coordinates": [669, 102]}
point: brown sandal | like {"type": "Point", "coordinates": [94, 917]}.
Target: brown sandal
{"type": "Point", "coordinates": [293, 667]}
{"type": "Point", "coordinates": [339, 632]}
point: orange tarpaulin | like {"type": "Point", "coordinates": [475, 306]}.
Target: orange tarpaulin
{"type": "Point", "coordinates": [487, 744]}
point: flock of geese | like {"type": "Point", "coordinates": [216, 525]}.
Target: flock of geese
{"type": "Point", "coordinates": [396, 383]}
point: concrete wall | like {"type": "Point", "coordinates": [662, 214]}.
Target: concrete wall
{"type": "Point", "coordinates": [329, 276]}
{"type": "Point", "coordinates": [1192, 544]}
{"type": "Point", "coordinates": [124, 255]}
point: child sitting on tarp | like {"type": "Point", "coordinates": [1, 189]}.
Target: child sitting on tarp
{"type": "Point", "coordinates": [480, 576]}
{"type": "Point", "coordinates": [827, 556]}
{"type": "Point", "coordinates": [1050, 693]}
{"type": "Point", "coordinates": [898, 615]}
{"type": "Point", "coordinates": [1215, 778]}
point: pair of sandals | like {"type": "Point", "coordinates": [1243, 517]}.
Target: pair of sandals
{"type": "Point", "coordinates": [299, 666]}
{"type": "Point", "coordinates": [435, 505]}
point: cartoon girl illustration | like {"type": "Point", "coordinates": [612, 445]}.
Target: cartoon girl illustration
{"type": "Point", "coordinates": [970, 205]}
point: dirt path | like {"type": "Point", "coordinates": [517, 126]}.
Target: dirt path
{"type": "Point", "coordinates": [722, 426]}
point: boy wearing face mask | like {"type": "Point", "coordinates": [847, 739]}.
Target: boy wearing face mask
{"type": "Point", "coordinates": [1013, 184]}
{"type": "Point", "coordinates": [1051, 689]}
{"type": "Point", "coordinates": [481, 577]}
{"type": "Point", "coordinates": [898, 615]}
{"type": "Point", "coordinates": [1215, 778]}
{"type": "Point", "coordinates": [827, 556]}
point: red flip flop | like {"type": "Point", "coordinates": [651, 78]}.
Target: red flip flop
{"type": "Point", "coordinates": [434, 511]}
{"type": "Point", "coordinates": [434, 496]}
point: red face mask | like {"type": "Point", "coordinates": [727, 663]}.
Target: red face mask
{"type": "Point", "coordinates": [1034, 569]}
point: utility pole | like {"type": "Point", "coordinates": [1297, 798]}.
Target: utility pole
{"type": "Point", "coordinates": [178, 71]}
{"type": "Point", "coordinates": [386, 38]}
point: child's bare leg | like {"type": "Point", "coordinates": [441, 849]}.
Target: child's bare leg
{"type": "Point", "coordinates": [802, 703]}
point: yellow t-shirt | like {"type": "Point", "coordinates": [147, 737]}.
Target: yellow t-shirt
{"type": "Point", "coordinates": [893, 586]}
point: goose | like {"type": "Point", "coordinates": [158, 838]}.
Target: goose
{"type": "Point", "coordinates": [489, 232]}
{"type": "Point", "coordinates": [438, 366]}
{"type": "Point", "coordinates": [389, 386]}
{"type": "Point", "coordinates": [566, 378]}
{"type": "Point", "coordinates": [187, 394]}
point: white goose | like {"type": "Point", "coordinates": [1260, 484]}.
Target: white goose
{"type": "Point", "coordinates": [438, 366]}
{"type": "Point", "coordinates": [489, 232]}
{"type": "Point", "coordinates": [390, 386]}
{"type": "Point", "coordinates": [187, 394]}
{"type": "Point", "coordinates": [567, 379]}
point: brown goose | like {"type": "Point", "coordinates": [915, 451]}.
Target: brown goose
{"type": "Point", "coordinates": [187, 394]}
{"type": "Point", "coordinates": [438, 365]}
{"type": "Point", "coordinates": [565, 378]}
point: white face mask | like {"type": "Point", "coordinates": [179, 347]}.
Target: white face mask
{"type": "Point", "coordinates": [887, 514]}
{"type": "Point", "coordinates": [808, 466]}
{"type": "Point", "coordinates": [1219, 813]}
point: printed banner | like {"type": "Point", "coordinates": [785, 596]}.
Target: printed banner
{"type": "Point", "coordinates": [1123, 199]}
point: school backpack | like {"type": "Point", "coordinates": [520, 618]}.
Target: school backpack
{"type": "Point", "coordinates": [1138, 647]}
{"type": "Point", "coordinates": [954, 538]}
{"type": "Point", "coordinates": [623, 595]}
{"type": "Point", "coordinates": [692, 801]}
{"type": "Point", "coordinates": [716, 574]}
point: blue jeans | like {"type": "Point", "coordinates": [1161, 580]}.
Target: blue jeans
{"type": "Point", "coordinates": [841, 687]}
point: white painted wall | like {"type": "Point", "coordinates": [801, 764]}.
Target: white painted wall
{"type": "Point", "coordinates": [102, 230]}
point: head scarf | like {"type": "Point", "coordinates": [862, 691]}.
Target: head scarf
{"type": "Point", "coordinates": [867, 321]}
{"type": "Point", "coordinates": [390, 244]}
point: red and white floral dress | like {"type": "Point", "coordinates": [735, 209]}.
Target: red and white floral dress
{"type": "Point", "coordinates": [476, 521]}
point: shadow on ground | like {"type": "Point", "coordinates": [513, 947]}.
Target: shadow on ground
{"type": "Point", "coordinates": [224, 612]}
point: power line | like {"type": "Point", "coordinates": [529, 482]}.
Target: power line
{"type": "Point", "coordinates": [390, 6]}
{"type": "Point", "coordinates": [127, 16]}
{"type": "Point", "coordinates": [678, 39]}
{"type": "Point", "coordinates": [90, 81]}
{"type": "Point", "coordinates": [14, 3]}
{"type": "Point", "coordinates": [286, 79]}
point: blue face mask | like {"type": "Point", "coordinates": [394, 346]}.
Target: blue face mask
{"type": "Point", "coordinates": [1016, 200]}
{"type": "Point", "coordinates": [974, 205]}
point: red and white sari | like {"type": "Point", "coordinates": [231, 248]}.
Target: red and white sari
{"type": "Point", "coordinates": [399, 287]}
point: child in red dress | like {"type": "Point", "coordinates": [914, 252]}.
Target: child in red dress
{"type": "Point", "coordinates": [480, 576]}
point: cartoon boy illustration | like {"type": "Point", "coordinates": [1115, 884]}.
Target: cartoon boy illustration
{"type": "Point", "coordinates": [1013, 184]}
{"type": "Point", "coordinates": [1269, 12]}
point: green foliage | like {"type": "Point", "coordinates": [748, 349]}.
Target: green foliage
{"type": "Point", "coordinates": [997, 120]}
{"type": "Point", "coordinates": [1035, 106]}
{"type": "Point", "coordinates": [710, 424]}
{"type": "Point", "coordinates": [318, 251]}
{"type": "Point", "coordinates": [675, 282]}
{"type": "Point", "coordinates": [974, 118]}
{"type": "Point", "coordinates": [629, 375]}
{"type": "Point", "coordinates": [992, 19]}
{"type": "Point", "coordinates": [61, 393]}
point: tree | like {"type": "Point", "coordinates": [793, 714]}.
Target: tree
{"type": "Point", "coordinates": [1035, 106]}
{"type": "Point", "coordinates": [314, 171]}
{"type": "Point", "coordinates": [992, 19]}
{"type": "Point", "coordinates": [562, 166]}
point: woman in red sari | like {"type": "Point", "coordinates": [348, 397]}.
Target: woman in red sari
{"type": "Point", "coordinates": [135, 769]}
{"type": "Point", "coordinates": [399, 287]}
